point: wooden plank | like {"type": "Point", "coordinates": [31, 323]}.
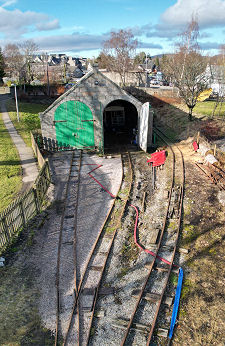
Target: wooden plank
{"type": "Point", "coordinates": [106, 291]}
{"type": "Point", "coordinates": [103, 291]}
{"type": "Point", "coordinates": [182, 250]}
{"type": "Point", "coordinates": [162, 267]}
{"type": "Point", "coordinates": [100, 313]}
{"type": "Point", "coordinates": [96, 268]}
{"type": "Point", "coordinates": [123, 323]}
{"type": "Point", "coordinates": [162, 332]}
{"type": "Point", "coordinates": [87, 298]}
{"type": "Point", "coordinates": [153, 236]}
{"type": "Point", "coordinates": [168, 300]}
{"type": "Point", "coordinates": [151, 297]}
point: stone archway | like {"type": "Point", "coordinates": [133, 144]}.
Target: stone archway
{"type": "Point", "coordinates": [120, 120]}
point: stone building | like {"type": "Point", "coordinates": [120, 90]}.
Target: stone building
{"type": "Point", "coordinates": [96, 113]}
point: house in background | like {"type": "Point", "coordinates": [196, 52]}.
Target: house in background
{"type": "Point", "coordinates": [215, 74]}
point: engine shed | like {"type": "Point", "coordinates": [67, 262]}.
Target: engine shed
{"type": "Point", "coordinates": [97, 114]}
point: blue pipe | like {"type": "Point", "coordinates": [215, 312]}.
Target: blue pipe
{"type": "Point", "coordinates": [176, 303]}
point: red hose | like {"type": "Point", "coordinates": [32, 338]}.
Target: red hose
{"type": "Point", "coordinates": [90, 175]}
{"type": "Point", "coordinates": [136, 220]}
{"type": "Point", "coordinates": [136, 242]}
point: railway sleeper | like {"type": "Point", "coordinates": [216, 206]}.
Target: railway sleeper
{"type": "Point", "coordinates": [163, 267]}
{"type": "Point", "coordinates": [153, 297]}
{"type": "Point", "coordinates": [102, 291]}
{"type": "Point", "coordinates": [150, 297]}
{"type": "Point", "coordinates": [123, 323]}
{"type": "Point", "coordinates": [164, 247]}
{"type": "Point", "coordinates": [162, 332]}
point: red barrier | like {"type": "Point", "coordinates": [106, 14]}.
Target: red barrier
{"type": "Point", "coordinates": [158, 158]}
{"type": "Point", "coordinates": [195, 146]}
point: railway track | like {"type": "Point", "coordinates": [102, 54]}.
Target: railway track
{"type": "Point", "coordinates": [147, 299]}
{"type": "Point", "coordinates": [66, 257]}
{"type": "Point", "coordinates": [87, 288]}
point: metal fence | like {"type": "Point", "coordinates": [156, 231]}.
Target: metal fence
{"type": "Point", "coordinates": [14, 218]}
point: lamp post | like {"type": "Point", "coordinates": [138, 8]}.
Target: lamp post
{"type": "Point", "coordinates": [17, 109]}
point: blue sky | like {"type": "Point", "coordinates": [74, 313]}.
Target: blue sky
{"type": "Point", "coordinates": [78, 28]}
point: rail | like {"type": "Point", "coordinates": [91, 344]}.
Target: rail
{"type": "Point", "coordinates": [176, 183]}
{"type": "Point", "coordinates": [103, 239]}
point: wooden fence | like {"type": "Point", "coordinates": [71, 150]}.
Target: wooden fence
{"type": "Point", "coordinates": [14, 218]}
{"type": "Point", "coordinates": [48, 144]}
{"type": "Point", "coordinates": [41, 160]}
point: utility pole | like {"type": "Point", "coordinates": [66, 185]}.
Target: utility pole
{"type": "Point", "coordinates": [48, 88]}
{"type": "Point", "coordinates": [17, 109]}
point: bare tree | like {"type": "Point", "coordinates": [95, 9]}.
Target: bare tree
{"type": "Point", "coordinates": [28, 48]}
{"type": "Point", "coordinates": [186, 68]}
{"type": "Point", "coordinates": [13, 61]}
{"type": "Point", "coordinates": [118, 51]}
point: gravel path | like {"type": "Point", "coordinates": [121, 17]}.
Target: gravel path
{"type": "Point", "coordinates": [93, 207]}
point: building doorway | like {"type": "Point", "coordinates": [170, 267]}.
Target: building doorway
{"type": "Point", "coordinates": [120, 120]}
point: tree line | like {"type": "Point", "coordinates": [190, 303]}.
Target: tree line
{"type": "Point", "coordinates": [16, 61]}
{"type": "Point", "coordinates": [185, 68]}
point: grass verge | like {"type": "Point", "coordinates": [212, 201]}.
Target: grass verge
{"type": "Point", "coordinates": [10, 168]}
{"type": "Point", "coordinates": [29, 119]}
{"type": "Point", "coordinates": [206, 108]}
{"type": "Point", "coordinates": [19, 319]}
{"type": "Point", "coordinates": [201, 319]}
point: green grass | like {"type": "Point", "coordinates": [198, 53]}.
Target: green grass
{"type": "Point", "coordinates": [206, 108]}
{"type": "Point", "coordinates": [29, 119]}
{"type": "Point", "coordinates": [10, 168]}
{"type": "Point", "coordinates": [20, 323]}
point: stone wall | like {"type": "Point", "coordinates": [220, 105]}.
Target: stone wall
{"type": "Point", "coordinates": [96, 91]}
{"type": "Point", "coordinates": [132, 78]}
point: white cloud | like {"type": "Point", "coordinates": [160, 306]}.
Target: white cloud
{"type": "Point", "coordinates": [209, 45]}
{"type": "Point", "coordinates": [8, 3]}
{"type": "Point", "coordinates": [15, 23]}
{"type": "Point", "coordinates": [149, 45]}
{"type": "Point", "coordinates": [54, 24]}
{"type": "Point", "coordinates": [210, 13]}
{"type": "Point", "coordinates": [74, 43]}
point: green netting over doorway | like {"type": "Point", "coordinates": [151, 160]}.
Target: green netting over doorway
{"type": "Point", "coordinates": [74, 125]}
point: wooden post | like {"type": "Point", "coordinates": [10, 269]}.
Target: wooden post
{"type": "Point", "coordinates": [36, 200]}
{"type": "Point", "coordinates": [198, 135]}
{"type": "Point", "coordinates": [143, 202]}
{"type": "Point", "coordinates": [214, 151]}
{"type": "Point", "coordinates": [22, 213]}
{"type": "Point", "coordinates": [5, 229]}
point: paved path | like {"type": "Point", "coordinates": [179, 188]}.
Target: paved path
{"type": "Point", "coordinates": [28, 162]}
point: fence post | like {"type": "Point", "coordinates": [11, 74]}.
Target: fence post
{"type": "Point", "coordinates": [48, 170]}
{"type": "Point", "coordinates": [5, 229]}
{"type": "Point", "coordinates": [37, 204]}
{"type": "Point", "coordinates": [22, 212]}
